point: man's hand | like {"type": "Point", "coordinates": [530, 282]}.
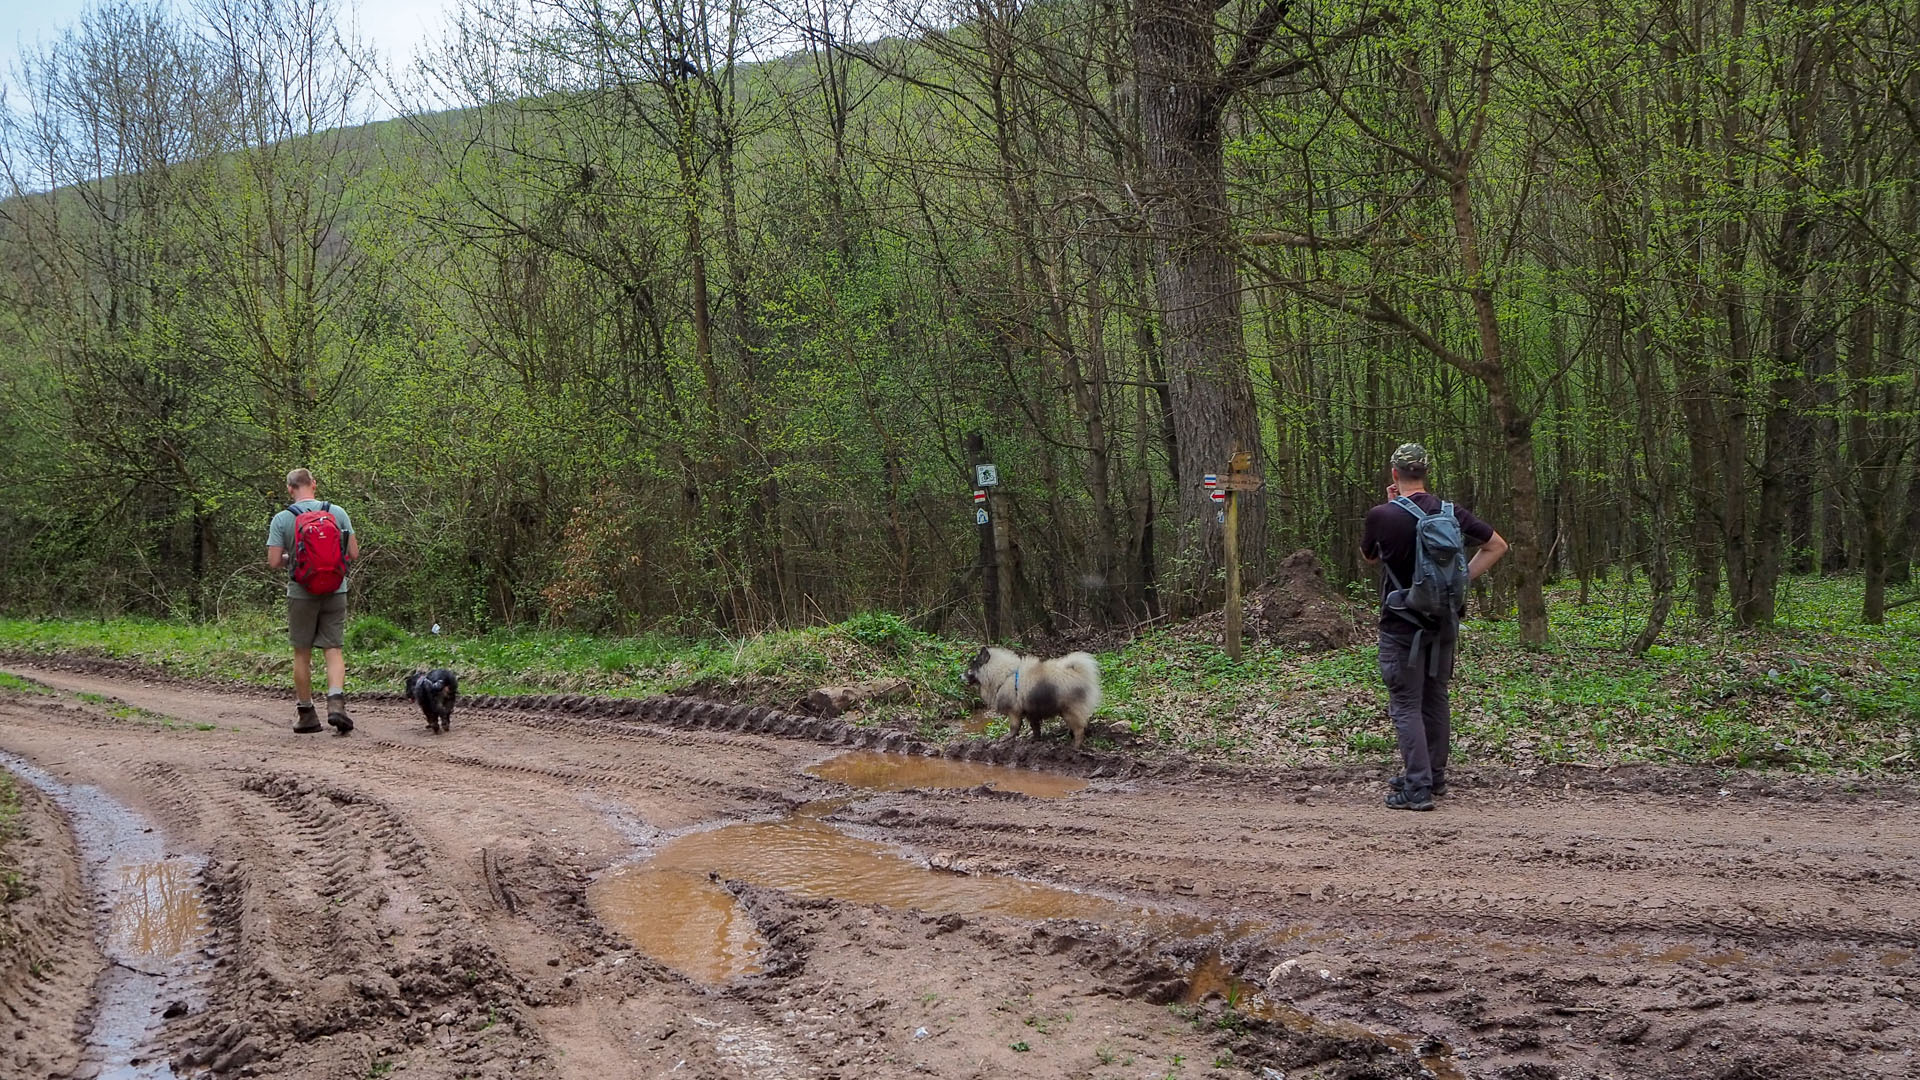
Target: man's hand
{"type": "Point", "coordinates": [1488, 554]}
{"type": "Point", "coordinates": [1393, 492]}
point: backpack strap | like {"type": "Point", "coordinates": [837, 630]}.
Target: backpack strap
{"type": "Point", "coordinates": [1446, 509]}
{"type": "Point", "coordinates": [1412, 507]}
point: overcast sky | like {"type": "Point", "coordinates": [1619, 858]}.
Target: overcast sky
{"type": "Point", "coordinates": [395, 26]}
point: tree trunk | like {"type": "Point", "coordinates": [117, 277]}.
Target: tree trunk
{"type": "Point", "coordinates": [1786, 314]}
{"type": "Point", "coordinates": [1516, 428]}
{"type": "Point", "coordinates": [1196, 275]}
{"type": "Point", "coordinates": [1733, 259]}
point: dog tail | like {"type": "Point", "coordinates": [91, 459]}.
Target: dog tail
{"type": "Point", "coordinates": [1088, 670]}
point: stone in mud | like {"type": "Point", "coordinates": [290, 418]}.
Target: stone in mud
{"type": "Point", "coordinates": [246, 1053]}
{"type": "Point", "coordinates": [947, 924]}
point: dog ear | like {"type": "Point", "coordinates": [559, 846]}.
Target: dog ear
{"type": "Point", "coordinates": [411, 680]}
{"type": "Point", "coordinates": [980, 658]}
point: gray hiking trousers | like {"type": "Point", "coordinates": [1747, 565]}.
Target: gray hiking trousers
{"type": "Point", "coordinates": [1417, 701]}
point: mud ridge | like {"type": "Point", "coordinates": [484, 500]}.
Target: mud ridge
{"type": "Point", "coordinates": [1175, 972]}
{"type": "Point", "coordinates": [361, 959]}
{"type": "Point", "coordinates": [51, 960]}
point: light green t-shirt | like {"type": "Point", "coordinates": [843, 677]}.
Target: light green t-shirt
{"type": "Point", "coordinates": [280, 535]}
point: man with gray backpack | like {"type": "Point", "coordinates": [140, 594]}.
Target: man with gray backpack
{"type": "Point", "coordinates": [1422, 544]}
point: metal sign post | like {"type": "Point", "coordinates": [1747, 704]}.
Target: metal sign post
{"type": "Point", "coordinates": [996, 559]}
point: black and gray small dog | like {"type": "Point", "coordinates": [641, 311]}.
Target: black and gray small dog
{"type": "Point", "coordinates": [436, 691]}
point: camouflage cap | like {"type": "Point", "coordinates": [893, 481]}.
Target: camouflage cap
{"type": "Point", "coordinates": [1410, 454]}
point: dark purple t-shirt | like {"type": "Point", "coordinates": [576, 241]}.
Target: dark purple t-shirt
{"type": "Point", "coordinates": [1388, 535]}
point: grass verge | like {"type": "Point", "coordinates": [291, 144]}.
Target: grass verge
{"type": "Point", "coordinates": [1820, 692]}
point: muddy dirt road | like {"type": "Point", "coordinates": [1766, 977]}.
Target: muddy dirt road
{"type": "Point", "coordinates": [564, 888]}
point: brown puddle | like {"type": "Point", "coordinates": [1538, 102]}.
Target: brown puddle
{"type": "Point", "coordinates": [808, 857]}
{"type": "Point", "coordinates": [671, 909]}
{"type": "Point", "coordinates": [157, 909]}
{"type": "Point", "coordinates": [686, 921]}
{"type": "Point", "coordinates": [872, 770]}
{"type": "Point", "coordinates": [1210, 978]}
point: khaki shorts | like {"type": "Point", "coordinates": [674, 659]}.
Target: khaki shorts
{"type": "Point", "coordinates": [317, 622]}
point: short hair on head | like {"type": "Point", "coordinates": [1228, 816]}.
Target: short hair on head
{"type": "Point", "coordinates": [300, 478]}
{"type": "Point", "coordinates": [1411, 471]}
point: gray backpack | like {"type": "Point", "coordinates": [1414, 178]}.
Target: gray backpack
{"type": "Point", "coordinates": [1436, 598]}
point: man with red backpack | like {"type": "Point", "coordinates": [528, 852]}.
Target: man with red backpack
{"type": "Point", "coordinates": [315, 540]}
{"type": "Point", "coordinates": [1422, 544]}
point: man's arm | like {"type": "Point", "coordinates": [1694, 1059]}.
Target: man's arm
{"type": "Point", "coordinates": [1489, 553]}
{"type": "Point", "coordinates": [353, 546]}
{"type": "Point", "coordinates": [279, 539]}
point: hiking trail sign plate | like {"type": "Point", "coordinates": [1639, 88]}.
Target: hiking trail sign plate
{"type": "Point", "coordinates": [986, 476]}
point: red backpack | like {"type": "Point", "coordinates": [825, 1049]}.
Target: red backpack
{"type": "Point", "coordinates": [319, 551]}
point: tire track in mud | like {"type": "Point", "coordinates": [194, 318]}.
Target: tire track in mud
{"type": "Point", "coordinates": [1528, 937]}
{"type": "Point", "coordinates": [348, 936]}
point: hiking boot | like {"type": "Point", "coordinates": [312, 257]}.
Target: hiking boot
{"type": "Point", "coordinates": [337, 714]}
{"type": "Point", "coordinates": [308, 722]}
{"type": "Point", "coordinates": [1404, 798]}
{"type": "Point", "coordinates": [1438, 789]}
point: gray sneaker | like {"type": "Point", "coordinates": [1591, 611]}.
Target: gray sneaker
{"type": "Point", "coordinates": [1405, 798]}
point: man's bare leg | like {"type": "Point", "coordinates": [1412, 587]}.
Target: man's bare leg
{"type": "Point", "coordinates": [336, 671]}
{"type": "Point", "coordinates": [309, 720]}
{"type": "Point", "coordinates": [336, 692]}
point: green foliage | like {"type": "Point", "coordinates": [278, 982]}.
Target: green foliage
{"type": "Point", "coordinates": [878, 630]}
{"type": "Point", "coordinates": [371, 632]}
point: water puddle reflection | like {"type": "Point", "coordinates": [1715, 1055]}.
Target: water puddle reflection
{"type": "Point", "coordinates": [155, 920]}
{"type": "Point", "coordinates": [156, 911]}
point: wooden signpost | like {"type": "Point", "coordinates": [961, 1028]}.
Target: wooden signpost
{"type": "Point", "coordinates": [1239, 477]}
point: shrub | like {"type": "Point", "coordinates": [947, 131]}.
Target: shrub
{"type": "Point", "coordinates": [370, 632]}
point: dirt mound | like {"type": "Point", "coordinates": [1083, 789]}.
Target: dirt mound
{"type": "Point", "coordinates": [1295, 608]}
{"type": "Point", "coordinates": [48, 958]}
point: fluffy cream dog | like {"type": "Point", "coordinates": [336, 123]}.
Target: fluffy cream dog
{"type": "Point", "coordinates": [1027, 688]}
